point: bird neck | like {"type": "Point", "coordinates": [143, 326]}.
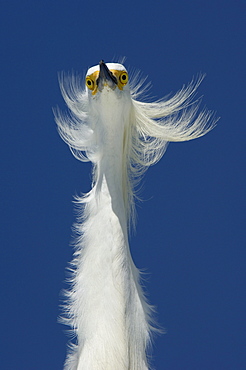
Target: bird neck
{"type": "Point", "coordinates": [110, 173]}
{"type": "Point", "coordinates": [109, 186]}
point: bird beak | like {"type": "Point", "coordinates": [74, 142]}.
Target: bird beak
{"type": "Point", "coordinates": [106, 77]}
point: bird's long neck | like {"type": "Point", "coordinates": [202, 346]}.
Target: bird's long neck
{"type": "Point", "coordinates": [107, 303]}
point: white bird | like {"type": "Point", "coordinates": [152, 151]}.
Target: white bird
{"type": "Point", "coordinates": [121, 136]}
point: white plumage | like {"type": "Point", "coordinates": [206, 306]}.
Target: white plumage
{"type": "Point", "coordinates": [121, 136]}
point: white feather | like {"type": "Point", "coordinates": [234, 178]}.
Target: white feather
{"type": "Point", "coordinates": [121, 136]}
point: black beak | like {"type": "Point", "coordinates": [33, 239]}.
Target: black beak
{"type": "Point", "coordinates": [105, 76]}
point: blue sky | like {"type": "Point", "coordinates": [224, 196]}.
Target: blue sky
{"type": "Point", "coordinates": [191, 225]}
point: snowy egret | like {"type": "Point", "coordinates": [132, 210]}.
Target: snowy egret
{"type": "Point", "coordinates": [121, 136]}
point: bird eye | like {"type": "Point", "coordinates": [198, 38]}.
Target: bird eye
{"type": "Point", "coordinates": [89, 83]}
{"type": "Point", "coordinates": [123, 78]}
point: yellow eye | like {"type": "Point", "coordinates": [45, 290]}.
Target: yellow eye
{"type": "Point", "coordinates": [123, 78]}
{"type": "Point", "coordinates": [89, 83]}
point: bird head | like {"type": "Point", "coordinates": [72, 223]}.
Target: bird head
{"type": "Point", "coordinates": [112, 76]}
